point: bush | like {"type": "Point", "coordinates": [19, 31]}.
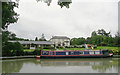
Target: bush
{"type": "Point", "coordinates": [95, 46]}
{"type": "Point", "coordinates": [83, 47]}
{"type": "Point", "coordinates": [48, 47]}
{"type": "Point", "coordinates": [28, 53]}
{"type": "Point", "coordinates": [36, 52]}
{"type": "Point", "coordinates": [12, 49]}
{"type": "Point", "coordinates": [67, 46]}
{"type": "Point", "coordinates": [59, 47]}
{"type": "Point", "coordinates": [26, 47]}
{"type": "Point", "coordinates": [115, 52]}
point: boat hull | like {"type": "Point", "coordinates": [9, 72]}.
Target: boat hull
{"type": "Point", "coordinates": [75, 54]}
{"type": "Point", "coordinates": [97, 56]}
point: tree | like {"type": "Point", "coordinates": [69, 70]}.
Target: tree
{"type": "Point", "coordinates": [12, 49]}
{"type": "Point", "coordinates": [117, 39]}
{"type": "Point", "coordinates": [6, 35]}
{"type": "Point", "coordinates": [103, 32]}
{"type": "Point", "coordinates": [12, 36]}
{"type": "Point", "coordinates": [62, 3]}
{"type": "Point", "coordinates": [65, 3]}
{"type": "Point", "coordinates": [8, 14]}
{"type": "Point", "coordinates": [100, 37]}
{"type": "Point", "coordinates": [9, 48]}
{"type": "Point", "coordinates": [78, 41]}
{"type": "Point", "coordinates": [42, 38]}
{"type": "Point", "coordinates": [94, 33]}
{"type": "Point", "coordinates": [36, 39]}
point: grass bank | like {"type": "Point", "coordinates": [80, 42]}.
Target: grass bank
{"type": "Point", "coordinates": [114, 50]}
{"type": "Point", "coordinates": [98, 48]}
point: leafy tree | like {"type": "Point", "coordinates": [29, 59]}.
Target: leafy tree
{"type": "Point", "coordinates": [94, 33]}
{"type": "Point", "coordinates": [36, 39]}
{"type": "Point", "coordinates": [8, 14]}
{"type": "Point", "coordinates": [10, 49]}
{"type": "Point", "coordinates": [42, 38]}
{"type": "Point", "coordinates": [117, 39]}
{"type": "Point", "coordinates": [88, 40]}
{"type": "Point", "coordinates": [63, 3]}
{"type": "Point", "coordinates": [103, 32]}
{"type": "Point", "coordinates": [78, 41]}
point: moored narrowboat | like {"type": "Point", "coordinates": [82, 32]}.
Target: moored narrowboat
{"type": "Point", "coordinates": [76, 54]}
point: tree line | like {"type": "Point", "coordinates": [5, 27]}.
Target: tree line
{"type": "Point", "coordinates": [100, 38]}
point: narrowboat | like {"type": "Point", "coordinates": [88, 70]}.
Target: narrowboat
{"type": "Point", "coordinates": [76, 54]}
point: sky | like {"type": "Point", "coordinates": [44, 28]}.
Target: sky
{"type": "Point", "coordinates": [80, 20]}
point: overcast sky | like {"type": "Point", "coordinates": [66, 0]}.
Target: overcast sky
{"type": "Point", "coordinates": [83, 17]}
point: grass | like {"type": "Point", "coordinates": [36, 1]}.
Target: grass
{"type": "Point", "coordinates": [28, 50]}
{"type": "Point", "coordinates": [98, 48]}
{"type": "Point", "coordinates": [106, 47]}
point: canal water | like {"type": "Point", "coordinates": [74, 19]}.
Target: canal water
{"type": "Point", "coordinates": [79, 65]}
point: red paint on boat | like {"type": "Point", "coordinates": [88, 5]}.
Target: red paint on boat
{"type": "Point", "coordinates": [38, 57]}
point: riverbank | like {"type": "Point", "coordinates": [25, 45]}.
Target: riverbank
{"type": "Point", "coordinates": [116, 56]}
{"type": "Point", "coordinates": [17, 57]}
{"type": "Point", "coordinates": [98, 48]}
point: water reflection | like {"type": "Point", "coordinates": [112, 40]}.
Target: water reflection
{"type": "Point", "coordinates": [60, 65]}
{"type": "Point", "coordinates": [11, 66]}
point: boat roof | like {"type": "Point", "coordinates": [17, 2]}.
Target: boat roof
{"type": "Point", "coordinates": [74, 50]}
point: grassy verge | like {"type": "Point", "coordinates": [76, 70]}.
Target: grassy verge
{"type": "Point", "coordinates": [114, 50]}
{"type": "Point", "coordinates": [106, 47]}
{"type": "Point", "coordinates": [98, 48]}
{"type": "Point", "coordinates": [28, 50]}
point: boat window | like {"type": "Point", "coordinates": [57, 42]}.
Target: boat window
{"type": "Point", "coordinates": [72, 53]}
{"type": "Point", "coordinates": [45, 52]}
{"type": "Point", "coordinates": [91, 52]}
{"type": "Point", "coordinates": [97, 52]}
{"type": "Point", "coordinates": [81, 53]}
{"type": "Point", "coordinates": [66, 53]}
{"type": "Point", "coordinates": [60, 53]}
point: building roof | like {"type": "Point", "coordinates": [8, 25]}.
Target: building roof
{"type": "Point", "coordinates": [60, 37]}
{"type": "Point", "coordinates": [35, 42]}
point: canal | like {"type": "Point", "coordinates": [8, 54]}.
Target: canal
{"type": "Point", "coordinates": [79, 65]}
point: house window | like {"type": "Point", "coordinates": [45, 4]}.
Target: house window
{"type": "Point", "coordinates": [63, 44]}
{"type": "Point", "coordinates": [45, 53]}
{"type": "Point", "coordinates": [59, 44]}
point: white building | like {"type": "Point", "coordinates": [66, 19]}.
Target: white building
{"type": "Point", "coordinates": [35, 44]}
{"type": "Point", "coordinates": [60, 40]}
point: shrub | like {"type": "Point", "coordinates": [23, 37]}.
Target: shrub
{"type": "Point", "coordinates": [26, 47]}
{"type": "Point", "coordinates": [48, 47]}
{"type": "Point", "coordinates": [59, 47]}
{"type": "Point", "coordinates": [67, 46]}
{"type": "Point", "coordinates": [36, 52]}
{"type": "Point", "coordinates": [115, 52]}
{"type": "Point", "coordinates": [12, 49]}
